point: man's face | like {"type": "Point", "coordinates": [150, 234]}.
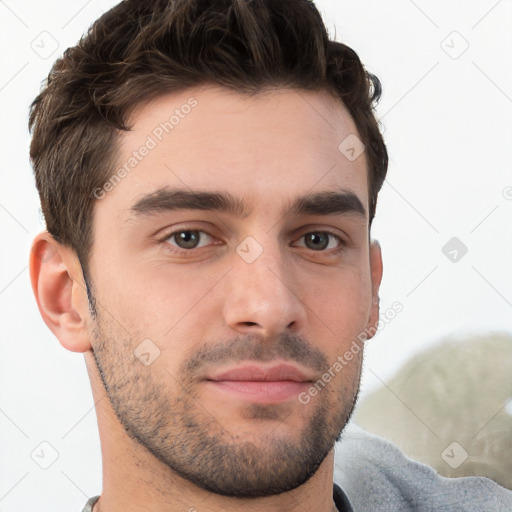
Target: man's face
{"type": "Point", "coordinates": [215, 312]}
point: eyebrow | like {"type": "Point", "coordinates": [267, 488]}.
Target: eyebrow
{"type": "Point", "coordinates": [166, 199]}
{"type": "Point", "coordinates": [327, 203]}
{"type": "Point", "coordinates": [321, 203]}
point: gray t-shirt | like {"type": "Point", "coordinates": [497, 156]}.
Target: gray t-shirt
{"type": "Point", "coordinates": [90, 503]}
{"type": "Point", "coordinates": [377, 477]}
{"type": "Point", "coordinates": [339, 497]}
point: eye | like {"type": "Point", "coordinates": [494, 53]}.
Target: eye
{"type": "Point", "coordinates": [320, 241]}
{"type": "Point", "coordinates": [189, 239]}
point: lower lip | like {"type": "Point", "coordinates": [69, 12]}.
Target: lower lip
{"type": "Point", "coordinates": [261, 391]}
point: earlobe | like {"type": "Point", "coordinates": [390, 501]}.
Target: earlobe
{"type": "Point", "coordinates": [59, 291]}
{"type": "Point", "coordinates": [376, 270]}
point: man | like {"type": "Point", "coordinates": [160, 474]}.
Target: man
{"type": "Point", "coordinates": [209, 172]}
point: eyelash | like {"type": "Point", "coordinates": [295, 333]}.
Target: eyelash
{"type": "Point", "coordinates": [180, 251]}
{"type": "Point", "coordinates": [333, 251]}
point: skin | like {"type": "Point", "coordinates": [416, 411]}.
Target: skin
{"type": "Point", "coordinates": [170, 440]}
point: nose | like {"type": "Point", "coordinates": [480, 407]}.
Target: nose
{"type": "Point", "coordinates": [262, 296]}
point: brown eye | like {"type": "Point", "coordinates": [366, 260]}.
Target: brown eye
{"type": "Point", "coordinates": [321, 242]}
{"type": "Point", "coordinates": [317, 241]}
{"type": "Point", "coordinates": [189, 239]}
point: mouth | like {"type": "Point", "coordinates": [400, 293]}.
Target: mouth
{"type": "Point", "coordinates": [259, 384]}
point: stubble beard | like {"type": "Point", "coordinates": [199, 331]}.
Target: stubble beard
{"type": "Point", "coordinates": [178, 430]}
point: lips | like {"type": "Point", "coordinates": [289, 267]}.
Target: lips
{"type": "Point", "coordinates": [281, 372]}
{"type": "Point", "coordinates": [252, 383]}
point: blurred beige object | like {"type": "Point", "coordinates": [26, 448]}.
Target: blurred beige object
{"type": "Point", "coordinates": [450, 407]}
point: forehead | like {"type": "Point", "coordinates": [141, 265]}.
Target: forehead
{"type": "Point", "coordinates": [275, 145]}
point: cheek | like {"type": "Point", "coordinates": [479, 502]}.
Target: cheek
{"type": "Point", "coordinates": [153, 299]}
{"type": "Point", "coordinates": [343, 301]}
{"type": "Point", "coordinates": [342, 309]}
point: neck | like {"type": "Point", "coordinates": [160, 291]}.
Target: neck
{"type": "Point", "coordinates": [131, 484]}
{"type": "Point", "coordinates": [310, 496]}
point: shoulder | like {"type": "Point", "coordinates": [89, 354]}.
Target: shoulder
{"type": "Point", "coordinates": [377, 476]}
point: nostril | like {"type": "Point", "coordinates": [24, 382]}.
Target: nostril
{"type": "Point", "coordinates": [249, 324]}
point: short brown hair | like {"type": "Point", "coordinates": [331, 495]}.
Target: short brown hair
{"type": "Point", "coordinates": [141, 49]}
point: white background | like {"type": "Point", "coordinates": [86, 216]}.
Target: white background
{"type": "Point", "coordinates": [447, 124]}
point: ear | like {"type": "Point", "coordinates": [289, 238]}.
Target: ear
{"type": "Point", "coordinates": [60, 293]}
{"type": "Point", "coordinates": [376, 277]}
